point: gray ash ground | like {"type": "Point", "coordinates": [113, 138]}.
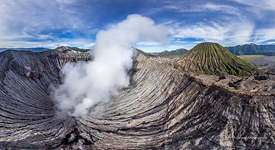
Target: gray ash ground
{"type": "Point", "coordinates": [266, 62]}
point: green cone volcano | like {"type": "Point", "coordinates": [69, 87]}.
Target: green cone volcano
{"type": "Point", "coordinates": [212, 58]}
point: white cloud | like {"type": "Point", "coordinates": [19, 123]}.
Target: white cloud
{"type": "Point", "coordinates": [263, 35]}
{"type": "Point", "coordinates": [198, 7]}
{"type": "Point", "coordinates": [259, 10]}
{"type": "Point", "coordinates": [88, 45]}
{"type": "Point", "coordinates": [262, 4]}
{"type": "Point", "coordinates": [202, 31]}
{"type": "Point", "coordinates": [28, 20]}
{"type": "Point", "coordinates": [83, 43]}
{"type": "Point", "coordinates": [66, 1]}
{"type": "Point", "coordinates": [44, 21]}
{"type": "Point", "coordinates": [271, 42]}
{"type": "Point", "coordinates": [226, 33]}
{"type": "Point", "coordinates": [248, 21]}
{"type": "Point", "coordinates": [146, 43]}
{"type": "Point", "coordinates": [224, 8]}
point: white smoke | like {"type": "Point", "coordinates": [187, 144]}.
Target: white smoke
{"type": "Point", "coordinates": [87, 83]}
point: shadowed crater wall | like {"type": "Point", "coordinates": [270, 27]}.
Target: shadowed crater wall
{"type": "Point", "coordinates": [162, 108]}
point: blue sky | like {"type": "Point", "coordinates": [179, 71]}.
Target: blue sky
{"type": "Point", "coordinates": [53, 23]}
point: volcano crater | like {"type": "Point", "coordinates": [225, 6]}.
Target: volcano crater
{"type": "Point", "coordinates": [163, 108]}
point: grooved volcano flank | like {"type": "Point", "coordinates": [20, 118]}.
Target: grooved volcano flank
{"type": "Point", "coordinates": [162, 108]}
{"type": "Point", "coordinates": [212, 58]}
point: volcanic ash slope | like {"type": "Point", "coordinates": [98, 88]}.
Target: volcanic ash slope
{"type": "Point", "coordinates": [162, 108]}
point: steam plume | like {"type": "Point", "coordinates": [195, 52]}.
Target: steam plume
{"type": "Point", "coordinates": [86, 84]}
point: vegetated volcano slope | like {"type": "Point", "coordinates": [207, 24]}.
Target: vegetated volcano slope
{"type": "Point", "coordinates": [162, 108]}
{"type": "Point", "coordinates": [212, 58]}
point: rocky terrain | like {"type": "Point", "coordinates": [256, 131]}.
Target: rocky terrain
{"type": "Point", "coordinates": [163, 108]}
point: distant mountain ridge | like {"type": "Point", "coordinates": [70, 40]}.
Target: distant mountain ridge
{"type": "Point", "coordinates": [35, 49]}
{"type": "Point", "coordinates": [173, 53]}
{"type": "Point", "coordinates": [42, 49]}
{"type": "Point", "coordinates": [252, 49]}
{"type": "Point", "coordinates": [74, 48]}
{"type": "Point", "coordinates": [247, 49]}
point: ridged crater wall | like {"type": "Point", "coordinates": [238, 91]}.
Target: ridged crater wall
{"type": "Point", "coordinates": [162, 108]}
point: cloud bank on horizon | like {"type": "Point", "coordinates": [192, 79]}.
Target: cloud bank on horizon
{"type": "Point", "coordinates": [38, 23]}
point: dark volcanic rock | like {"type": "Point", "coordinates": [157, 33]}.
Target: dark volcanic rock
{"type": "Point", "coordinates": [162, 108]}
{"type": "Point", "coordinates": [261, 77]}
{"type": "Point", "coordinates": [222, 77]}
{"type": "Point", "coordinates": [232, 84]}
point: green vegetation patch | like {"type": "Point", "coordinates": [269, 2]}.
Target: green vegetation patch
{"type": "Point", "coordinates": [251, 57]}
{"type": "Point", "coordinates": [212, 58]}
